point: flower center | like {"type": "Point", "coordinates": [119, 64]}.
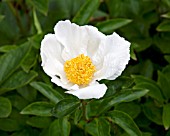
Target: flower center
{"type": "Point", "coordinates": [79, 70]}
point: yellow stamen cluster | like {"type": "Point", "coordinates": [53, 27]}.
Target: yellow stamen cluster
{"type": "Point", "coordinates": [79, 70]}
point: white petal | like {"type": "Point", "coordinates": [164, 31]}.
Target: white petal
{"type": "Point", "coordinates": [95, 38]}
{"type": "Point", "coordinates": [52, 62]}
{"type": "Point", "coordinates": [67, 86]}
{"type": "Point", "coordinates": [116, 56]}
{"type": "Point", "coordinates": [73, 37]}
{"type": "Point", "coordinates": [95, 91]}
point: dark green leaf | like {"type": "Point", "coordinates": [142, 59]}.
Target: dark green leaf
{"type": "Point", "coordinates": [28, 93]}
{"type": "Point", "coordinates": [133, 109]}
{"type": "Point", "coordinates": [164, 83]}
{"type": "Point", "coordinates": [17, 80]}
{"type": "Point", "coordinates": [5, 107]}
{"type": "Point", "coordinates": [47, 91]}
{"type": "Point", "coordinates": [39, 122]}
{"type": "Point", "coordinates": [166, 70]}
{"type": "Point", "coordinates": [161, 43]}
{"type": "Point", "coordinates": [118, 84]}
{"type": "Point", "coordinates": [17, 101]}
{"type": "Point", "coordinates": [167, 15]}
{"type": "Point", "coordinates": [111, 25]}
{"type": "Point", "coordinates": [164, 26]}
{"type": "Point", "coordinates": [141, 44]}
{"type": "Point", "coordinates": [126, 96]}
{"type": "Point", "coordinates": [7, 48]}
{"type": "Point", "coordinates": [153, 112]}
{"type": "Point", "coordinates": [11, 61]}
{"type": "Point", "coordinates": [9, 125]}
{"type": "Point", "coordinates": [154, 91]}
{"type": "Point", "coordinates": [41, 6]}
{"type": "Point", "coordinates": [124, 121]}
{"type": "Point", "coordinates": [65, 107]}
{"type": "Point", "coordinates": [37, 23]}
{"type": "Point", "coordinates": [167, 57]}
{"type": "Point", "coordinates": [103, 127]}
{"type": "Point", "coordinates": [30, 60]}
{"type": "Point", "coordinates": [60, 127]}
{"type": "Point", "coordinates": [92, 128]}
{"type": "Point", "coordinates": [26, 131]}
{"type": "Point", "coordinates": [151, 85]}
{"type": "Point", "coordinates": [85, 12]}
{"type": "Point", "coordinates": [146, 134]}
{"type": "Point", "coordinates": [35, 40]}
{"type": "Point", "coordinates": [1, 17]}
{"type": "Point", "coordinates": [98, 127]}
{"type": "Point", "coordinates": [132, 53]}
{"type": "Point", "coordinates": [78, 115]}
{"type": "Point", "coordinates": [38, 108]}
{"type": "Point", "coordinates": [165, 116]}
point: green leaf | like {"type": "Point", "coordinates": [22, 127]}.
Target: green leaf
{"type": "Point", "coordinates": [167, 15]}
{"type": "Point", "coordinates": [26, 131]}
{"type": "Point", "coordinates": [132, 53]}
{"type": "Point", "coordinates": [5, 107]}
{"type": "Point", "coordinates": [41, 6]}
{"type": "Point", "coordinates": [165, 116]}
{"type": "Point", "coordinates": [17, 80]}
{"type": "Point", "coordinates": [60, 127]}
{"type": "Point", "coordinates": [151, 85]}
{"type": "Point", "coordinates": [35, 40]}
{"type": "Point", "coordinates": [126, 8]}
{"type": "Point", "coordinates": [9, 125]}
{"type": "Point", "coordinates": [38, 108]}
{"type": "Point", "coordinates": [36, 22]}
{"type": "Point", "coordinates": [78, 115]}
{"type": "Point", "coordinates": [17, 101]}
{"type": "Point", "coordinates": [111, 25]}
{"type": "Point", "coordinates": [141, 44]}
{"type": "Point", "coordinates": [161, 43]}
{"type": "Point", "coordinates": [28, 93]}
{"type": "Point", "coordinates": [39, 122]}
{"type": "Point", "coordinates": [167, 58]}
{"type": "Point", "coordinates": [164, 26]}
{"type": "Point", "coordinates": [164, 83]}
{"type": "Point", "coordinates": [133, 109]}
{"type": "Point", "coordinates": [86, 11]}
{"type": "Point", "coordinates": [1, 17]}
{"type": "Point", "coordinates": [166, 71]}
{"type": "Point", "coordinates": [30, 60]}
{"type": "Point", "coordinates": [47, 91]}
{"type": "Point", "coordinates": [98, 127]}
{"type": "Point", "coordinates": [7, 48]}
{"type": "Point", "coordinates": [153, 112]}
{"type": "Point", "coordinates": [103, 127]}
{"type": "Point", "coordinates": [117, 85]}
{"type": "Point", "coordinates": [154, 91]}
{"type": "Point", "coordinates": [126, 96]}
{"type": "Point", "coordinates": [124, 121]}
{"type": "Point", "coordinates": [65, 107]}
{"type": "Point", "coordinates": [10, 61]}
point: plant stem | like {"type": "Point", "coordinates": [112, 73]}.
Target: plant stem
{"type": "Point", "coordinates": [15, 13]}
{"type": "Point", "coordinates": [84, 109]}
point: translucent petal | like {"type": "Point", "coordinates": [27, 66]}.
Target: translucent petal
{"type": "Point", "coordinates": [52, 61]}
{"type": "Point", "coordinates": [94, 91]}
{"type": "Point", "coordinates": [73, 37]}
{"type": "Point", "coordinates": [116, 54]}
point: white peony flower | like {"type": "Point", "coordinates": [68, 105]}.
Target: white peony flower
{"type": "Point", "coordinates": [77, 57]}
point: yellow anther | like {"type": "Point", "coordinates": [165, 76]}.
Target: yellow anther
{"type": "Point", "coordinates": [79, 70]}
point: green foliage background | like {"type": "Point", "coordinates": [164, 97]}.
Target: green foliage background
{"type": "Point", "coordinates": [136, 104]}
